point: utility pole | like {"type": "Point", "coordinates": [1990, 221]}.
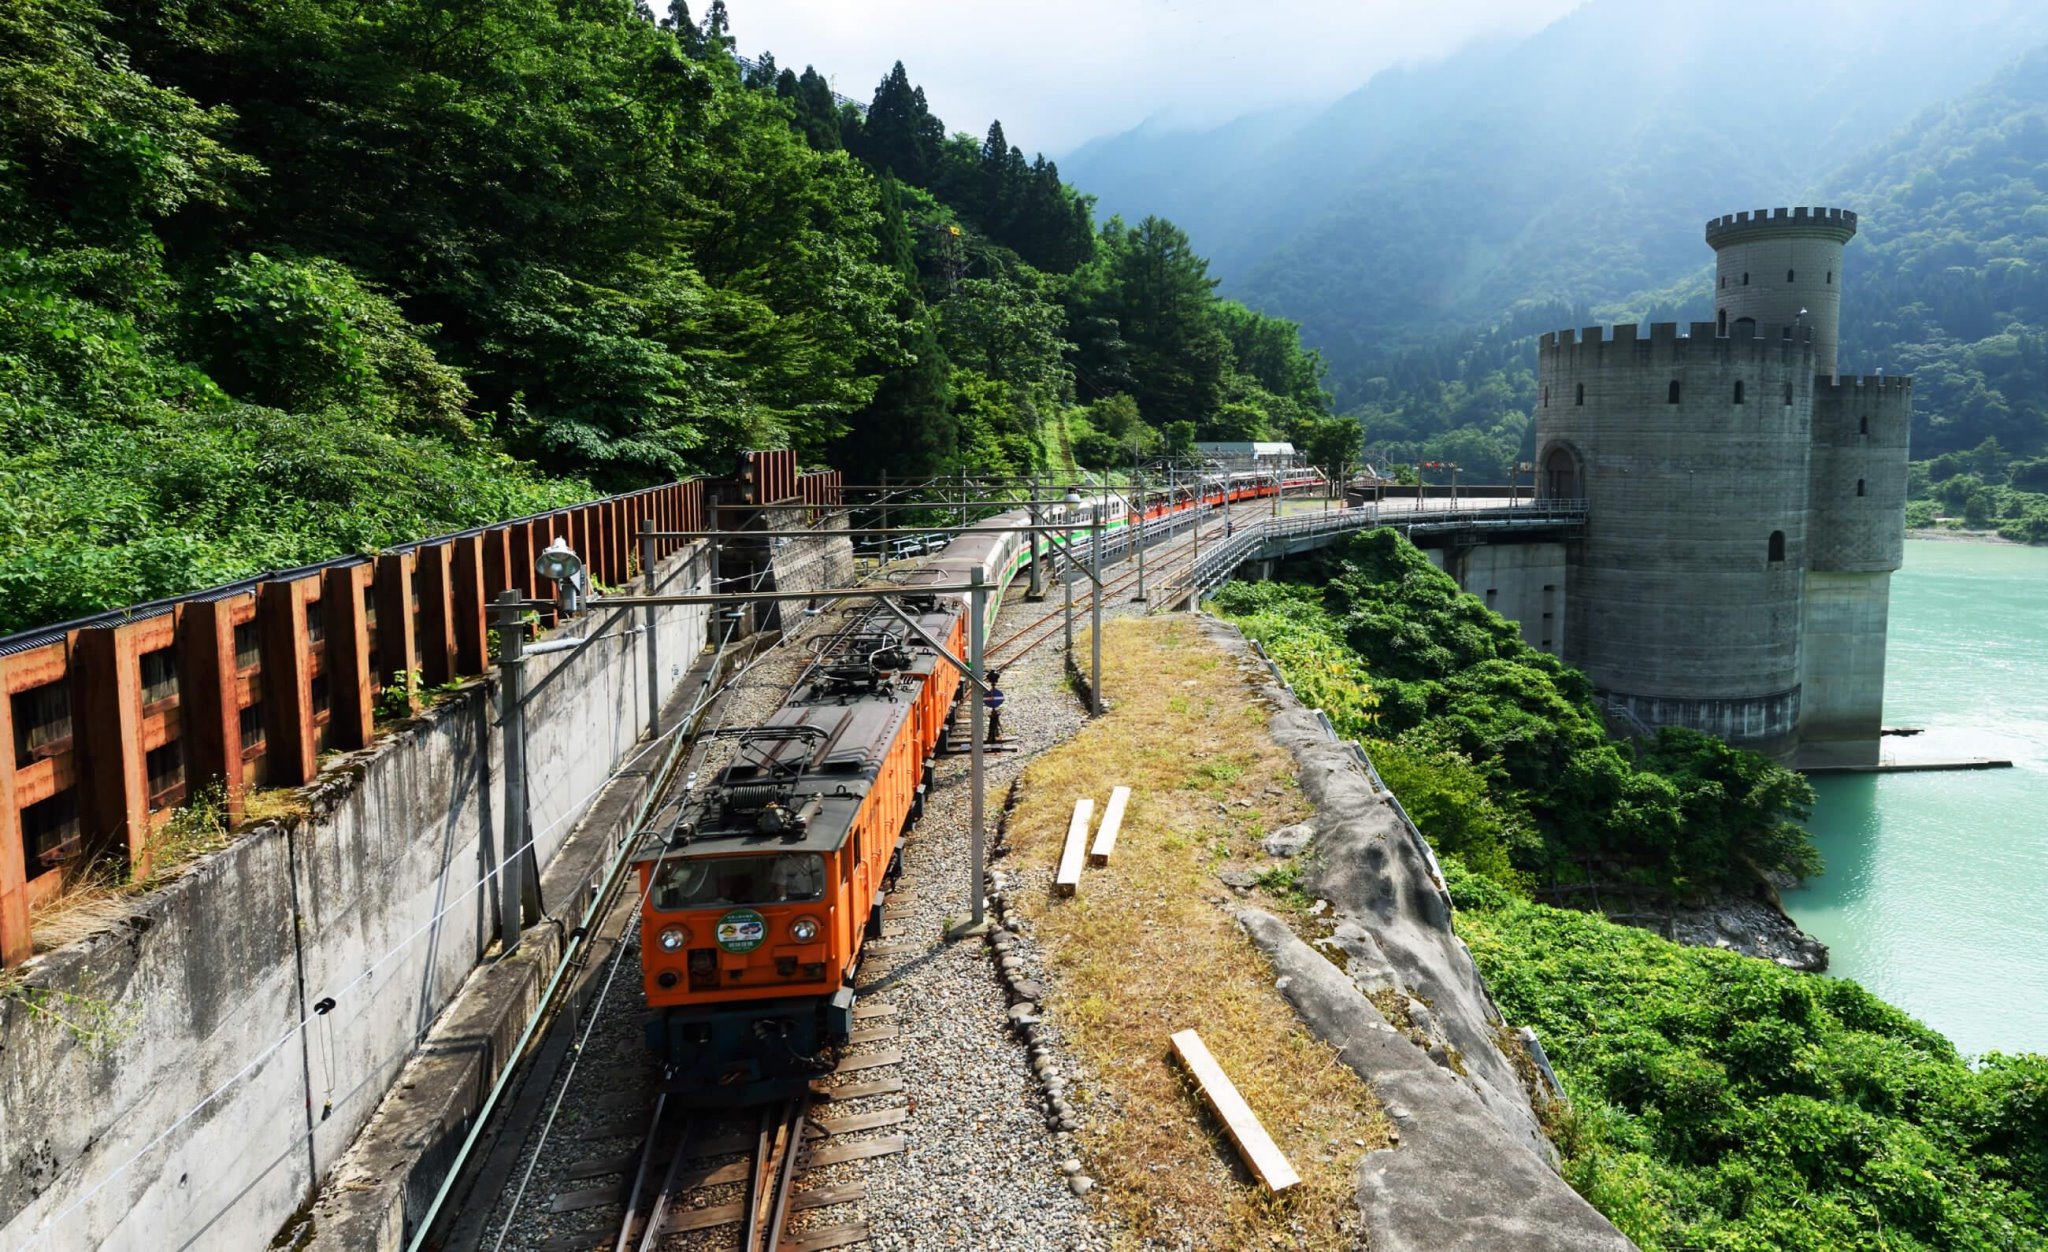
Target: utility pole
{"type": "Point", "coordinates": [512, 718]}
{"type": "Point", "coordinates": [1138, 485]}
{"type": "Point", "coordinates": [647, 622]}
{"type": "Point", "coordinates": [1095, 616]}
{"type": "Point", "coordinates": [1067, 589]}
{"type": "Point", "coordinates": [977, 630]}
{"type": "Point", "coordinates": [1037, 589]}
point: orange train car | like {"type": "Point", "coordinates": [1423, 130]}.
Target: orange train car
{"type": "Point", "coordinates": [760, 890]}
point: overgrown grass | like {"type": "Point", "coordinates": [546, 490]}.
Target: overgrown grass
{"type": "Point", "coordinates": [1148, 948]}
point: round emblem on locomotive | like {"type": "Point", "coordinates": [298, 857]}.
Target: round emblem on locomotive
{"type": "Point", "coordinates": [741, 930]}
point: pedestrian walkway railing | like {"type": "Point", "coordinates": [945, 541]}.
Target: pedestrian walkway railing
{"type": "Point", "coordinates": [1259, 540]}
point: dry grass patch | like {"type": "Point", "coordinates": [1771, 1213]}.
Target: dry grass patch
{"type": "Point", "coordinates": [101, 892]}
{"type": "Point", "coordinates": [1148, 948]}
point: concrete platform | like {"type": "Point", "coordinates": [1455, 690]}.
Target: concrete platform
{"type": "Point", "coordinates": [1898, 766]}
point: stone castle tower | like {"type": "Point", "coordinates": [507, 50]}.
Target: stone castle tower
{"type": "Point", "coordinates": [1745, 503]}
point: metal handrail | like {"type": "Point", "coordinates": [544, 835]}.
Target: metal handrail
{"type": "Point", "coordinates": [1217, 564]}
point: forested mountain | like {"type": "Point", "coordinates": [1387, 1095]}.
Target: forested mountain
{"type": "Point", "coordinates": [1945, 281]}
{"type": "Point", "coordinates": [1576, 166]}
{"type": "Point", "coordinates": [291, 278]}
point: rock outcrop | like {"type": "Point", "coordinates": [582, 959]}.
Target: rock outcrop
{"type": "Point", "coordinates": [1397, 992]}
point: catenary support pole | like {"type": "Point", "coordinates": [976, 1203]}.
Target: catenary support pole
{"type": "Point", "coordinates": [653, 655]}
{"type": "Point", "coordinates": [1067, 590]}
{"type": "Point", "coordinates": [512, 720]}
{"type": "Point", "coordinates": [977, 633]}
{"type": "Point", "coordinates": [1138, 481]}
{"type": "Point", "coordinates": [1095, 618]}
{"type": "Point", "coordinates": [1037, 589]}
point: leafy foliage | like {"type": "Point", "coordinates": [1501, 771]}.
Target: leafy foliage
{"type": "Point", "coordinates": [1501, 751]}
{"type": "Point", "coordinates": [1718, 1101]}
{"type": "Point", "coordinates": [283, 280]}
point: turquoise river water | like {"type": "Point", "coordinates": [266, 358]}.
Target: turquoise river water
{"type": "Point", "coordinates": [1936, 891]}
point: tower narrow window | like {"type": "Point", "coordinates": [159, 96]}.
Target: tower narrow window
{"type": "Point", "coordinates": [1724, 282]}
{"type": "Point", "coordinates": [1738, 391]}
{"type": "Point", "coordinates": [1788, 393]}
{"type": "Point", "coordinates": [1777, 546]}
{"type": "Point", "coordinates": [1863, 425]}
{"type": "Point", "coordinates": [1723, 328]}
{"type": "Point", "coordinates": [1745, 280]}
{"type": "Point", "coordinates": [1582, 394]}
{"type": "Point", "coordinates": [1671, 393]}
{"type": "Point", "coordinates": [1788, 276]}
{"type": "Point", "coordinates": [1859, 486]}
{"type": "Point", "coordinates": [1831, 278]}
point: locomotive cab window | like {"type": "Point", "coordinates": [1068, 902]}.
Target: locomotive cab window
{"type": "Point", "coordinates": [715, 881]}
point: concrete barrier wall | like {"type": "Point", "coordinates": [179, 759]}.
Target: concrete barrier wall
{"type": "Point", "coordinates": [368, 898]}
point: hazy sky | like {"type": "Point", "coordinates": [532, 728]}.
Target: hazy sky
{"type": "Point", "coordinates": [1060, 72]}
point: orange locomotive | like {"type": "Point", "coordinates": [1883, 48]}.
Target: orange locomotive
{"type": "Point", "coordinates": [761, 890]}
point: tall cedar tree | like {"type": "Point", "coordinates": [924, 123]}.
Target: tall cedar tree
{"type": "Point", "coordinates": [908, 429]}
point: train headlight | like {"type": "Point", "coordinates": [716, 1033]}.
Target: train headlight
{"type": "Point", "coordinates": [672, 938]}
{"type": "Point", "coordinates": [803, 930]}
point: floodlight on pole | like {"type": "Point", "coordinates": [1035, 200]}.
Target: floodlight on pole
{"type": "Point", "coordinates": [560, 563]}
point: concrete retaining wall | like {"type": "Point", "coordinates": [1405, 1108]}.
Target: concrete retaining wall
{"type": "Point", "coordinates": [1523, 582]}
{"type": "Point", "coordinates": [369, 899]}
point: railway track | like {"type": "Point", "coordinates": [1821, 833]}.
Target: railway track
{"type": "Point", "coordinates": [1166, 563]}
{"type": "Point", "coordinates": [764, 1178]}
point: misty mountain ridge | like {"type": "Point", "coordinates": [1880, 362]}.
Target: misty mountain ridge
{"type": "Point", "coordinates": [1575, 165]}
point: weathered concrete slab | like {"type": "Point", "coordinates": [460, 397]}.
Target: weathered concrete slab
{"type": "Point", "coordinates": [1456, 1180]}
{"type": "Point", "coordinates": [1474, 1169]}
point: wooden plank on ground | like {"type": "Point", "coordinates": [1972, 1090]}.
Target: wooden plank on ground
{"type": "Point", "coordinates": [874, 1034]}
{"type": "Point", "coordinates": [863, 1121]}
{"type": "Point", "coordinates": [863, 1012]}
{"type": "Point", "coordinates": [872, 1060]}
{"type": "Point", "coordinates": [599, 1166]}
{"type": "Point", "coordinates": [1112, 822]}
{"type": "Point", "coordinates": [709, 1217]}
{"type": "Point", "coordinates": [1068, 880]}
{"type": "Point", "coordinates": [1253, 1143]}
{"type": "Point", "coordinates": [821, 1197]}
{"type": "Point", "coordinates": [888, 1145]}
{"type": "Point", "coordinates": [588, 1198]}
{"type": "Point", "coordinates": [829, 1237]}
{"type": "Point", "coordinates": [859, 1090]}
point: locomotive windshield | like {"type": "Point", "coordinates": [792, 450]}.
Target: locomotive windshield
{"type": "Point", "coordinates": [707, 882]}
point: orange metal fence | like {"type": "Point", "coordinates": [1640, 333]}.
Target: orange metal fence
{"type": "Point", "coordinates": [109, 722]}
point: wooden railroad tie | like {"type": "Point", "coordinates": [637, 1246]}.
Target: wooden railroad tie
{"type": "Point", "coordinates": [1253, 1143]}
{"type": "Point", "coordinates": [1068, 880]}
{"type": "Point", "coordinates": [1112, 822]}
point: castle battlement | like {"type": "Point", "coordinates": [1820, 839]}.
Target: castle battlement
{"type": "Point", "coordinates": [1813, 221]}
{"type": "Point", "coordinates": [1790, 344]}
{"type": "Point", "coordinates": [1867, 382]}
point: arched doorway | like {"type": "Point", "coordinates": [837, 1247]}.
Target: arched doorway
{"type": "Point", "coordinates": [1561, 474]}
